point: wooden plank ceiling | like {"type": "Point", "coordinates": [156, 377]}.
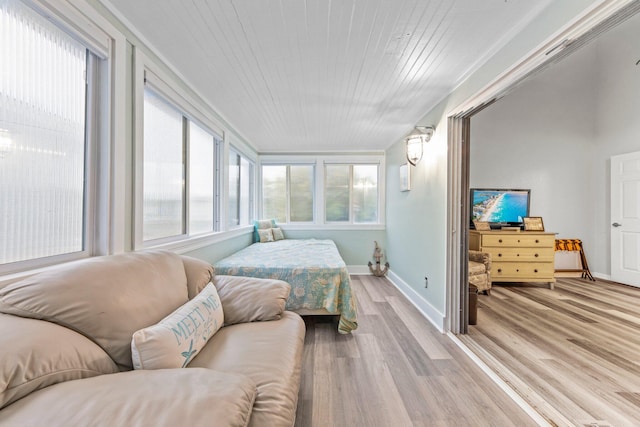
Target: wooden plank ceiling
{"type": "Point", "coordinates": [325, 75]}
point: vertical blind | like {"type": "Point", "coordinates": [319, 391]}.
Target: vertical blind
{"type": "Point", "coordinates": [42, 142]}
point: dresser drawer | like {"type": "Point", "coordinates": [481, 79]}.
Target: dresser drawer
{"type": "Point", "coordinates": [517, 254]}
{"type": "Point", "coordinates": [518, 240]}
{"type": "Point", "coordinates": [525, 272]}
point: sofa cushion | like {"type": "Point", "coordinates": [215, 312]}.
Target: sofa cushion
{"type": "Point", "coordinates": [199, 274]}
{"type": "Point", "coordinates": [249, 299]}
{"type": "Point", "coordinates": [174, 341]}
{"type": "Point", "coordinates": [476, 268]}
{"type": "Point", "coordinates": [168, 397]}
{"type": "Point", "coordinates": [105, 298]}
{"type": "Point", "coordinates": [35, 354]}
{"type": "Point", "coordinates": [270, 353]}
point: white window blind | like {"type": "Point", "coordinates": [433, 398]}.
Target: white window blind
{"type": "Point", "coordinates": [42, 137]}
{"type": "Point", "coordinates": [201, 180]}
{"type": "Point", "coordinates": [163, 169]}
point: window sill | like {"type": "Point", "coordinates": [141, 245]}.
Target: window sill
{"type": "Point", "coordinates": [198, 242]}
{"type": "Point", "coordinates": [330, 227]}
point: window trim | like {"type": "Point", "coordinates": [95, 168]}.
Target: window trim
{"type": "Point", "coordinates": [252, 185]}
{"type": "Point", "coordinates": [147, 74]}
{"type": "Point", "coordinates": [99, 75]}
{"type": "Point", "coordinates": [320, 160]}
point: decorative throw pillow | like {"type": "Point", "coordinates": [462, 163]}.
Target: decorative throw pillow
{"type": "Point", "coordinates": [175, 341]}
{"type": "Point", "coordinates": [277, 233]}
{"type": "Point", "coordinates": [265, 235]}
{"type": "Point", "coordinates": [262, 225]}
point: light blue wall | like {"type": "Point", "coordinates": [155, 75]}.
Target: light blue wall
{"type": "Point", "coordinates": [416, 221]}
{"type": "Point", "coordinates": [355, 246]}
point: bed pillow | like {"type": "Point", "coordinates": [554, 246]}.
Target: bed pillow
{"type": "Point", "coordinates": [175, 341]}
{"type": "Point", "coordinates": [36, 354]}
{"type": "Point", "coordinates": [266, 235]}
{"type": "Point", "coordinates": [261, 225]}
{"type": "Point", "coordinates": [277, 233]}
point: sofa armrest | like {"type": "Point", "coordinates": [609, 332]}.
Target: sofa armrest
{"type": "Point", "coordinates": [481, 257]}
{"type": "Point", "coordinates": [199, 274]}
{"type": "Point", "coordinates": [249, 299]}
{"type": "Point", "coordinates": [484, 258]}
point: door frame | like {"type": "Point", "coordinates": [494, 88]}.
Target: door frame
{"type": "Point", "coordinates": [591, 23]}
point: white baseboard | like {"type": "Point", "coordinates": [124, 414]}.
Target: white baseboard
{"type": "Point", "coordinates": [358, 270]}
{"type": "Point", "coordinates": [601, 276]}
{"type": "Point", "coordinates": [423, 306]}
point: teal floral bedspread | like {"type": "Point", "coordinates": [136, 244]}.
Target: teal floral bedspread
{"type": "Point", "coordinates": [317, 274]}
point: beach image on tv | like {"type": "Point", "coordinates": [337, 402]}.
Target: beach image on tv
{"type": "Point", "coordinates": [500, 206]}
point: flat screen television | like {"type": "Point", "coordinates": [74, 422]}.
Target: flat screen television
{"type": "Point", "coordinates": [500, 207]}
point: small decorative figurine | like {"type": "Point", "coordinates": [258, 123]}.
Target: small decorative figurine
{"type": "Point", "coordinates": [377, 255]}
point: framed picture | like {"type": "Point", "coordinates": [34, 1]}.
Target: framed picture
{"type": "Point", "coordinates": [533, 223]}
{"type": "Point", "coordinates": [481, 225]}
{"type": "Point", "coordinates": [405, 177]}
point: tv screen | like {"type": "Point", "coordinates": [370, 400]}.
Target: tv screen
{"type": "Point", "coordinates": [500, 206]}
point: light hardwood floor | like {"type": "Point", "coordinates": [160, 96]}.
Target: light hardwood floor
{"type": "Point", "coordinates": [395, 370]}
{"type": "Point", "coordinates": [577, 347]}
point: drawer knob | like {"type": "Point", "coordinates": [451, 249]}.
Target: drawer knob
{"type": "Point", "coordinates": [518, 240]}
{"type": "Point", "coordinates": [535, 271]}
{"type": "Point", "coordinates": [517, 270]}
{"type": "Point", "coordinates": [499, 255]}
{"type": "Point", "coordinates": [500, 241]}
{"type": "Point", "coordinates": [499, 270]}
{"type": "Point", "coordinates": [536, 255]}
{"type": "Point", "coordinates": [537, 241]}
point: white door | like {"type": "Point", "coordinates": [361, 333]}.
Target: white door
{"type": "Point", "coordinates": [625, 218]}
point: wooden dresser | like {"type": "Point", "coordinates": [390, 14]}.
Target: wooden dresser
{"type": "Point", "coordinates": [517, 256]}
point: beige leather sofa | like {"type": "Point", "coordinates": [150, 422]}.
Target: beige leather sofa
{"type": "Point", "coordinates": [66, 347]}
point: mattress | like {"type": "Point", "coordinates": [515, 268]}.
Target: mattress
{"type": "Point", "coordinates": [314, 268]}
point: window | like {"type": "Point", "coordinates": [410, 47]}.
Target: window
{"type": "Point", "coordinates": [201, 180]}
{"type": "Point", "coordinates": [351, 193]}
{"type": "Point", "coordinates": [287, 192]}
{"type": "Point", "coordinates": [163, 169]}
{"type": "Point", "coordinates": [45, 157]}
{"type": "Point", "coordinates": [168, 135]}
{"type": "Point", "coordinates": [240, 189]}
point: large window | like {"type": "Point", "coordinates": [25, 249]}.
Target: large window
{"type": "Point", "coordinates": [351, 193]}
{"type": "Point", "coordinates": [178, 195]}
{"type": "Point", "coordinates": [287, 192]}
{"type": "Point", "coordinates": [240, 189]}
{"type": "Point", "coordinates": [44, 138]}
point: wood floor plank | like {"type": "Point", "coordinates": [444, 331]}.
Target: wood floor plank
{"type": "Point", "coordinates": [382, 374]}
{"type": "Point", "coordinates": [581, 353]}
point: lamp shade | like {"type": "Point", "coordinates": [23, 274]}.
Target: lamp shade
{"type": "Point", "coordinates": [415, 141]}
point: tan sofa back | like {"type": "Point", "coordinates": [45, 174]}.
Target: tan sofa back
{"type": "Point", "coordinates": [106, 298]}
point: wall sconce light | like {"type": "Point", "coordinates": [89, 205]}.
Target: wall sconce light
{"type": "Point", "coordinates": [415, 140]}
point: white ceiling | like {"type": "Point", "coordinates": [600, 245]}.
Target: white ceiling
{"type": "Point", "coordinates": [325, 75]}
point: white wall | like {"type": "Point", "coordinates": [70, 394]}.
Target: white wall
{"type": "Point", "coordinates": [556, 133]}
{"type": "Point", "coordinates": [416, 222]}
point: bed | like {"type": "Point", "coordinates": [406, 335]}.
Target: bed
{"type": "Point", "coordinates": [317, 274]}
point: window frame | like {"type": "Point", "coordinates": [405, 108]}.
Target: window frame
{"type": "Point", "coordinates": [288, 190]}
{"type": "Point", "coordinates": [99, 76]}
{"type": "Point", "coordinates": [320, 160]}
{"type": "Point", "coordinates": [156, 84]}
{"type": "Point", "coordinates": [146, 72]}
{"type": "Point", "coordinates": [252, 184]}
